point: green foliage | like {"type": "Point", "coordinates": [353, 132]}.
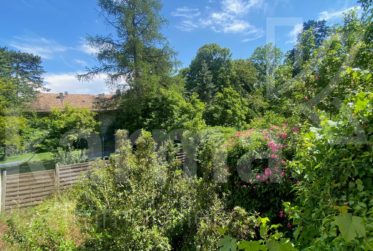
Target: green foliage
{"type": "Point", "coordinates": [10, 134]}
{"type": "Point", "coordinates": [312, 36]}
{"type": "Point", "coordinates": [351, 227]}
{"type": "Point", "coordinates": [232, 184]}
{"type": "Point", "coordinates": [332, 70]}
{"type": "Point", "coordinates": [259, 179]}
{"type": "Point", "coordinates": [269, 239]}
{"type": "Point", "coordinates": [266, 60]}
{"type": "Point", "coordinates": [12, 99]}
{"type": "Point", "coordinates": [138, 52]}
{"type": "Point", "coordinates": [227, 108]}
{"type": "Point", "coordinates": [170, 110]}
{"type": "Point", "coordinates": [24, 70]}
{"type": "Point", "coordinates": [244, 76]}
{"type": "Point", "coordinates": [50, 226]}
{"type": "Point", "coordinates": [209, 71]}
{"type": "Point", "coordinates": [137, 60]}
{"type": "Point", "coordinates": [138, 202]}
{"type": "Point", "coordinates": [210, 149]}
{"type": "Point", "coordinates": [65, 128]}
{"type": "Point", "coordinates": [334, 165]}
{"type": "Point", "coordinates": [166, 110]}
{"type": "Point", "coordinates": [68, 157]}
{"type": "Point", "coordinates": [219, 229]}
{"type": "Point", "coordinates": [8, 95]}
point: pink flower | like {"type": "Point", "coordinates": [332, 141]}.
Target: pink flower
{"type": "Point", "coordinates": [283, 162]}
{"type": "Point", "coordinates": [274, 156]}
{"type": "Point", "coordinates": [283, 174]}
{"type": "Point", "coordinates": [261, 178]}
{"type": "Point", "coordinates": [274, 147]}
{"type": "Point", "coordinates": [283, 135]}
{"type": "Point", "coordinates": [267, 172]}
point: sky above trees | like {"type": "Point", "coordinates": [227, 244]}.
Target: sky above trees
{"type": "Point", "coordinates": [56, 30]}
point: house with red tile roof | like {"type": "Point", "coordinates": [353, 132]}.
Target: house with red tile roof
{"type": "Point", "coordinates": [46, 102]}
{"type": "Point", "coordinates": [103, 105]}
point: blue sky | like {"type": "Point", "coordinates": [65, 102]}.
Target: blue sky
{"type": "Point", "coordinates": [56, 30]}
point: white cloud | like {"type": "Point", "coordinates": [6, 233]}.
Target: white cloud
{"type": "Point", "coordinates": [186, 12]}
{"type": "Point", "coordinates": [61, 82]}
{"type": "Point", "coordinates": [293, 34]}
{"type": "Point", "coordinates": [329, 15]}
{"type": "Point", "coordinates": [188, 16]}
{"type": "Point", "coordinates": [41, 46]}
{"type": "Point", "coordinates": [87, 48]}
{"type": "Point", "coordinates": [239, 7]}
{"type": "Point", "coordinates": [229, 18]}
{"type": "Point", "coordinates": [80, 62]}
{"type": "Point", "coordinates": [236, 26]}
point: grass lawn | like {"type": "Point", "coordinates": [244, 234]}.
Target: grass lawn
{"type": "Point", "coordinates": [30, 162]}
{"type": "Point", "coordinates": [29, 157]}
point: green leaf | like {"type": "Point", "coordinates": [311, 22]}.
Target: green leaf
{"type": "Point", "coordinates": [252, 246]}
{"type": "Point", "coordinates": [350, 226]}
{"type": "Point", "coordinates": [222, 230]}
{"type": "Point", "coordinates": [360, 186]}
{"type": "Point", "coordinates": [227, 244]}
{"type": "Point", "coordinates": [280, 246]}
{"type": "Point", "coordinates": [263, 227]}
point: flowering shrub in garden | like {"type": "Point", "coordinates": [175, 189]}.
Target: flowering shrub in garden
{"type": "Point", "coordinates": [259, 179]}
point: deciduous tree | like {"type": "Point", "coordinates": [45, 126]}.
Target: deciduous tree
{"type": "Point", "coordinates": [209, 71]}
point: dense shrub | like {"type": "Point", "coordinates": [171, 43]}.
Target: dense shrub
{"type": "Point", "coordinates": [334, 164]}
{"type": "Point", "coordinates": [138, 202]}
{"type": "Point", "coordinates": [259, 179]}
{"type": "Point", "coordinates": [143, 200]}
{"type": "Point", "coordinates": [209, 149]}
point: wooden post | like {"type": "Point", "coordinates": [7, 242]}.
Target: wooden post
{"type": "Point", "coordinates": [57, 177]}
{"type": "Point", "coordinates": [2, 190]}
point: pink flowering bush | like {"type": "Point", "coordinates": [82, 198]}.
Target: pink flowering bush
{"type": "Point", "coordinates": [259, 179]}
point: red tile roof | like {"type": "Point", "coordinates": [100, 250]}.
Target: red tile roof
{"type": "Point", "coordinates": [45, 102]}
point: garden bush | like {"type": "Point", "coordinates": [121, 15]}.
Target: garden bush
{"type": "Point", "coordinates": [334, 166]}
{"type": "Point", "coordinates": [259, 179]}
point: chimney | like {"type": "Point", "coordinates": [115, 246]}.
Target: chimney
{"type": "Point", "coordinates": [61, 97]}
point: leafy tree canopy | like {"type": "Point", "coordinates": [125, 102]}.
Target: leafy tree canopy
{"type": "Point", "coordinates": [24, 70]}
{"type": "Point", "coordinates": [209, 71]}
{"type": "Point", "coordinates": [266, 60]}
